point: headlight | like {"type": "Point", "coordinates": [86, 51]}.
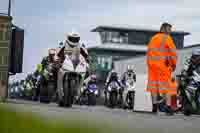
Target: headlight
{"type": "Point", "coordinates": [91, 91]}
{"type": "Point", "coordinates": [109, 88]}
{"type": "Point", "coordinates": [96, 92]}
{"type": "Point", "coordinates": [82, 89]}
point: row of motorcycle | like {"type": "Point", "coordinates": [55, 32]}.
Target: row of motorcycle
{"type": "Point", "coordinates": [113, 95]}
{"type": "Point", "coordinates": [42, 87]}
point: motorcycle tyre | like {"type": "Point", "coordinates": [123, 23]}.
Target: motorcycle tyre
{"type": "Point", "coordinates": [68, 92]}
{"type": "Point", "coordinates": [113, 99]}
{"type": "Point", "coordinates": [91, 99]}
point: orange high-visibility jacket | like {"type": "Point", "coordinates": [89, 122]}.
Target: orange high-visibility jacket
{"type": "Point", "coordinates": [173, 86]}
{"type": "Point", "coordinates": [161, 61]}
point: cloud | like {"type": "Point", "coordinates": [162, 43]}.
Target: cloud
{"type": "Point", "coordinates": [46, 22]}
{"type": "Point", "coordinates": [4, 6]}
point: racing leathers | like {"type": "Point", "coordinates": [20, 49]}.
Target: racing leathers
{"type": "Point", "coordinates": [88, 81]}
{"type": "Point", "coordinates": [74, 53]}
{"type": "Point", "coordinates": [127, 76]}
{"type": "Point", "coordinates": [112, 76]}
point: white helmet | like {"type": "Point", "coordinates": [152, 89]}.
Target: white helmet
{"type": "Point", "coordinates": [93, 77]}
{"type": "Point", "coordinates": [113, 71]}
{"type": "Point", "coordinates": [130, 68]}
{"type": "Point", "coordinates": [73, 39]}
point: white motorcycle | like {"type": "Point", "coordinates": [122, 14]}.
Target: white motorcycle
{"type": "Point", "coordinates": [73, 73]}
{"type": "Point", "coordinates": [130, 95]}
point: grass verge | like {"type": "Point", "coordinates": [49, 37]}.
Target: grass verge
{"type": "Point", "coordinates": [17, 122]}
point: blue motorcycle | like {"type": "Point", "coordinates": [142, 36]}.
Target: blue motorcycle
{"type": "Point", "coordinates": [89, 95]}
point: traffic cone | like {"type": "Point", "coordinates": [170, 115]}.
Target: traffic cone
{"type": "Point", "coordinates": [174, 102]}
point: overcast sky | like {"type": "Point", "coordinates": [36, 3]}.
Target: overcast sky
{"type": "Point", "coordinates": [46, 21]}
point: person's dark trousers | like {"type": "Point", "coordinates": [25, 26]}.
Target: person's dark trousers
{"type": "Point", "coordinates": [154, 108]}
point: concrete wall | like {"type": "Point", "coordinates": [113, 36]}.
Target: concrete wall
{"type": "Point", "coordinates": [5, 35]}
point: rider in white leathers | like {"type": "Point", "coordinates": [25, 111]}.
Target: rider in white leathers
{"type": "Point", "coordinates": [130, 74]}
{"type": "Point", "coordinates": [73, 49]}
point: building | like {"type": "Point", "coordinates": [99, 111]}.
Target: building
{"type": "Point", "coordinates": [120, 43]}
{"type": "Point", "coordinates": [16, 50]}
{"type": "Point", "coordinates": [5, 27]}
{"type": "Point", "coordinates": [11, 51]}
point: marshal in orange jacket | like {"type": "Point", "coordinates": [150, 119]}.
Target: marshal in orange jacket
{"type": "Point", "coordinates": [161, 62]}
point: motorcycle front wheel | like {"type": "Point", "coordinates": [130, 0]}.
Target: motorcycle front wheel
{"type": "Point", "coordinates": [113, 99]}
{"type": "Point", "coordinates": [68, 84]}
{"type": "Point", "coordinates": [131, 100]}
{"type": "Point", "coordinates": [91, 99]}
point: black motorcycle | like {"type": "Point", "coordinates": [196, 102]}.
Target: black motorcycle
{"type": "Point", "coordinates": [190, 92]}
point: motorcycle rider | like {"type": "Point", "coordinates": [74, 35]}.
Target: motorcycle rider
{"type": "Point", "coordinates": [43, 71]}
{"type": "Point", "coordinates": [130, 74]}
{"type": "Point", "coordinates": [112, 76]}
{"type": "Point", "coordinates": [194, 62]}
{"type": "Point", "coordinates": [48, 59]}
{"type": "Point", "coordinates": [92, 79]}
{"type": "Point", "coordinates": [72, 48]}
{"type": "Point", "coordinates": [190, 77]}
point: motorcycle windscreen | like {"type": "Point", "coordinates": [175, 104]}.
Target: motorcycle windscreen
{"type": "Point", "coordinates": [67, 64]}
{"type": "Point", "coordinates": [92, 87]}
{"type": "Point", "coordinates": [82, 66]}
{"type": "Point", "coordinates": [114, 85]}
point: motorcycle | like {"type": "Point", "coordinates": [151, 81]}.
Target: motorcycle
{"type": "Point", "coordinates": [74, 71]}
{"type": "Point", "coordinates": [89, 95]}
{"type": "Point", "coordinates": [190, 92]}
{"type": "Point", "coordinates": [191, 95]}
{"type": "Point", "coordinates": [130, 97]}
{"type": "Point", "coordinates": [113, 90]}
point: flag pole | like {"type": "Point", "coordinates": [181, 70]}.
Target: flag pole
{"type": "Point", "coordinates": [9, 8]}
